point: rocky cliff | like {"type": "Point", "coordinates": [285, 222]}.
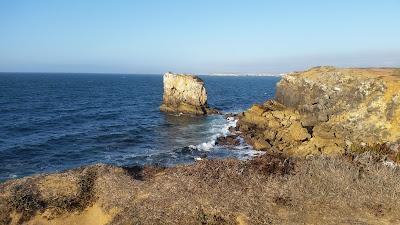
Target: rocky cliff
{"type": "Point", "coordinates": [185, 93]}
{"type": "Point", "coordinates": [328, 110]}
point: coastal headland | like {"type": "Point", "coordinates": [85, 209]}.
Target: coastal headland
{"type": "Point", "coordinates": [331, 142]}
{"type": "Point", "coordinates": [329, 111]}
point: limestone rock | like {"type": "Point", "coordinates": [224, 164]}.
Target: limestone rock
{"type": "Point", "coordinates": [184, 93]}
{"type": "Point", "coordinates": [298, 133]}
{"type": "Point", "coordinates": [261, 144]}
{"type": "Point", "coordinates": [320, 110]}
{"type": "Point", "coordinates": [357, 102]}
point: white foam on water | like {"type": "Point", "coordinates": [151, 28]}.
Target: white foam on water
{"type": "Point", "coordinates": [248, 154]}
{"type": "Point", "coordinates": [12, 176]}
{"type": "Point", "coordinates": [219, 127]}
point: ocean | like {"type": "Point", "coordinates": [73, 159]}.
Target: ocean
{"type": "Point", "coordinates": [53, 122]}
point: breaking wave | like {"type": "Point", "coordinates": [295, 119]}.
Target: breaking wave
{"type": "Point", "coordinates": [217, 129]}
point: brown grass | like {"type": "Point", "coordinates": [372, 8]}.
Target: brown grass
{"type": "Point", "coordinates": [27, 200]}
{"type": "Point", "coordinates": [380, 150]}
{"type": "Point", "coordinates": [271, 189]}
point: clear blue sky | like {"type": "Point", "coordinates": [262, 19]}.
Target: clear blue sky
{"type": "Point", "coordinates": [202, 36]}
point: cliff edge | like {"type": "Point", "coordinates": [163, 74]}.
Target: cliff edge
{"type": "Point", "coordinates": [184, 93]}
{"type": "Point", "coordinates": [266, 190]}
{"type": "Point", "coordinates": [329, 110]}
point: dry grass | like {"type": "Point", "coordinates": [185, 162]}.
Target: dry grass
{"type": "Point", "coordinates": [381, 151]}
{"type": "Point", "coordinates": [271, 189]}
{"type": "Point", "coordinates": [26, 198]}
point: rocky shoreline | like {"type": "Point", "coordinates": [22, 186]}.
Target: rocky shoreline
{"type": "Point", "coordinates": [329, 111]}
{"type": "Point", "coordinates": [331, 139]}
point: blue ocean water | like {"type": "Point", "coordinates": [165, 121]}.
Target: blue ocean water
{"type": "Point", "coordinates": [52, 122]}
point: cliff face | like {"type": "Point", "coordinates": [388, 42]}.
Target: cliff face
{"type": "Point", "coordinates": [184, 94]}
{"type": "Point", "coordinates": [327, 110]}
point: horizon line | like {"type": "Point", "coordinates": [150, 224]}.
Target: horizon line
{"type": "Point", "coordinates": [203, 74]}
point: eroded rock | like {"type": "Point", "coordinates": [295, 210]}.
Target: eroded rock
{"type": "Point", "coordinates": [229, 140]}
{"type": "Point", "coordinates": [322, 109]}
{"type": "Point", "coordinates": [184, 93]}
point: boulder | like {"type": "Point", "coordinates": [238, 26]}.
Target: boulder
{"type": "Point", "coordinates": [184, 93]}
{"type": "Point", "coordinates": [230, 140]}
{"type": "Point", "coordinates": [298, 133]}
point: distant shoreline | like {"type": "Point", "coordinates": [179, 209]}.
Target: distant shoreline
{"type": "Point", "coordinates": [245, 75]}
{"type": "Point", "coordinates": [151, 74]}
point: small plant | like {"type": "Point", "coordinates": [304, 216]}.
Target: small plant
{"type": "Point", "coordinates": [201, 217]}
{"type": "Point", "coordinates": [86, 192]}
{"type": "Point", "coordinates": [26, 200]}
{"type": "Point", "coordinates": [212, 219]}
{"type": "Point", "coordinates": [378, 149]}
{"type": "Point", "coordinates": [395, 156]}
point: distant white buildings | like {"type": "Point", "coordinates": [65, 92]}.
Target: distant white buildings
{"type": "Point", "coordinates": [246, 74]}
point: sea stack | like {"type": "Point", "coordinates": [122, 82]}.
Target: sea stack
{"type": "Point", "coordinates": [185, 93]}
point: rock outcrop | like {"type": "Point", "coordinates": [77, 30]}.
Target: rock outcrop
{"type": "Point", "coordinates": [184, 93]}
{"type": "Point", "coordinates": [327, 110]}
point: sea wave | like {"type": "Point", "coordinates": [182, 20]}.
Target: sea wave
{"type": "Point", "coordinates": [221, 128]}
{"type": "Point", "coordinates": [217, 130]}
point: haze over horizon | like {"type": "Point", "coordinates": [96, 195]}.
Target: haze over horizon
{"type": "Point", "coordinates": [197, 37]}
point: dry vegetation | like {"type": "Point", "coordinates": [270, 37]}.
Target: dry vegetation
{"type": "Point", "coordinates": [271, 189]}
{"type": "Point", "coordinates": [27, 199]}
{"type": "Point", "coordinates": [381, 151]}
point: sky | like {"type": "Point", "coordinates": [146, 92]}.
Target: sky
{"type": "Point", "coordinates": [203, 36]}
